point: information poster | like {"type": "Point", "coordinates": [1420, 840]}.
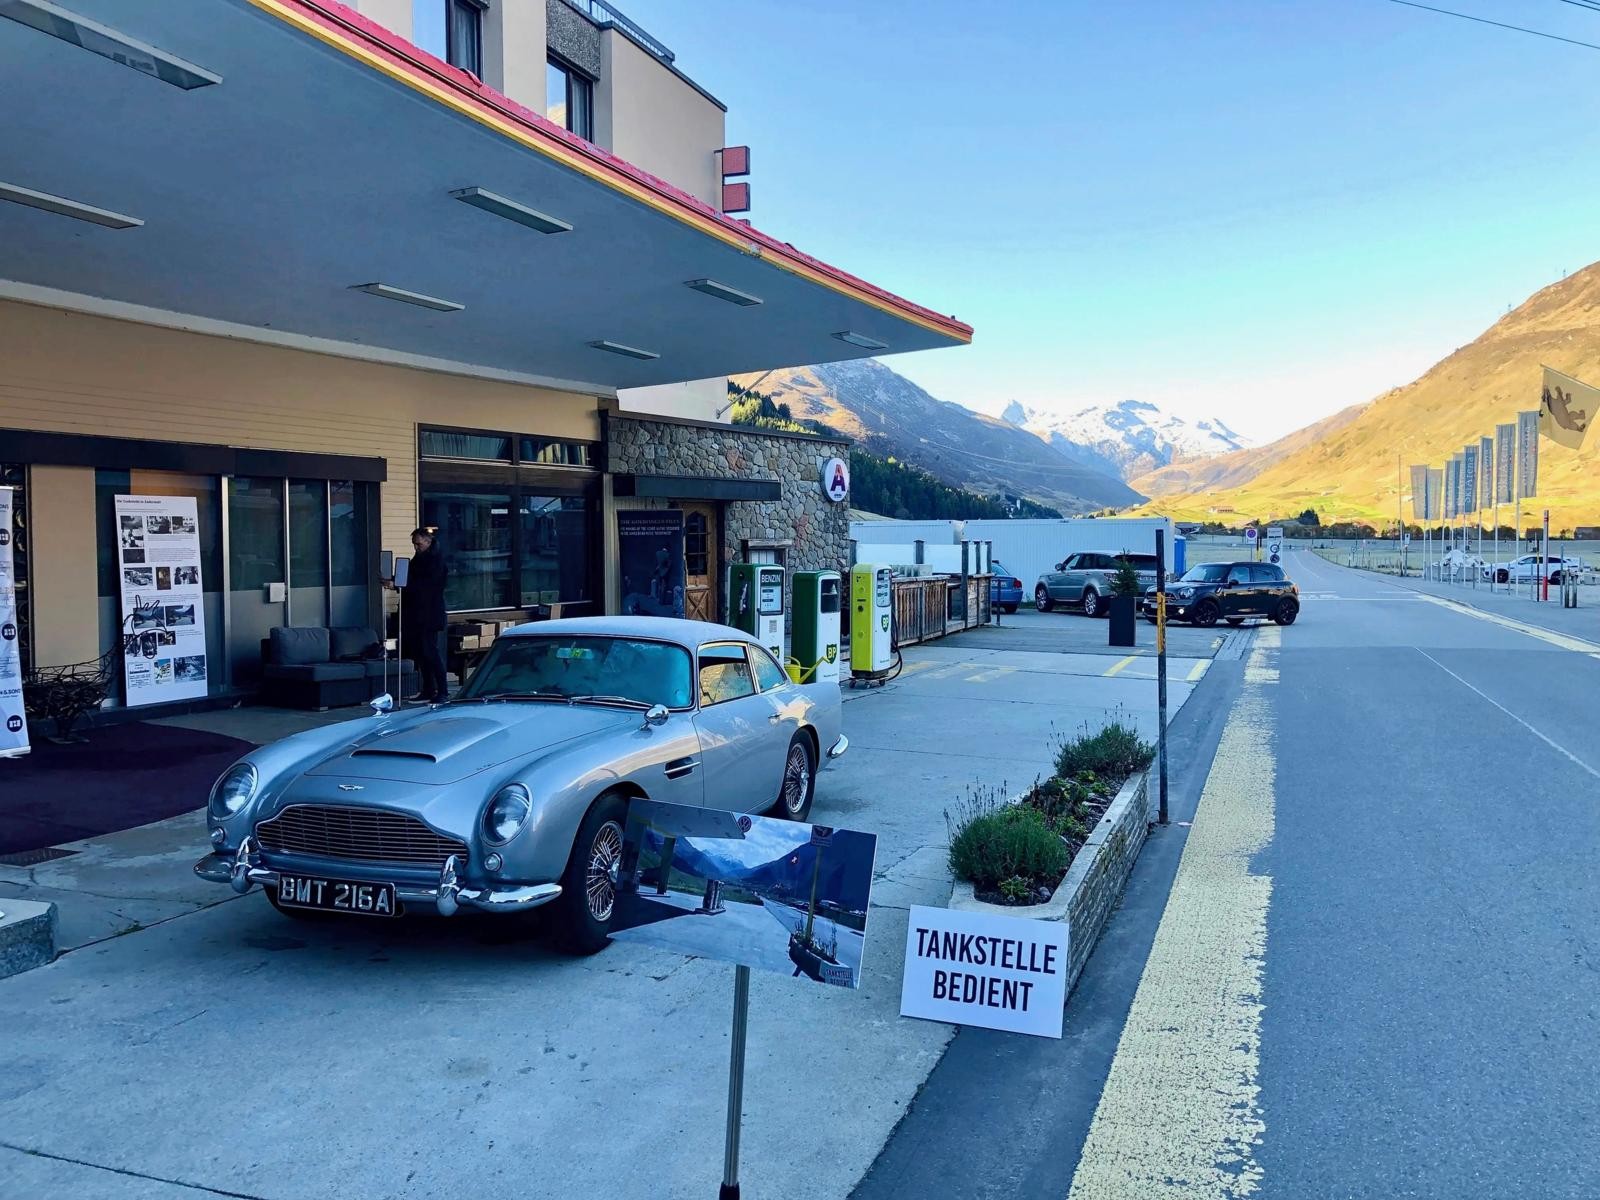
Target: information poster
{"type": "Point", "coordinates": [163, 600]}
{"type": "Point", "coordinates": [650, 544]}
{"type": "Point", "coordinates": [13, 722]}
{"type": "Point", "coordinates": [998, 972]}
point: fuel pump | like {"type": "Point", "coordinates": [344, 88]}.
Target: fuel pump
{"type": "Point", "coordinates": [756, 593]}
{"type": "Point", "coordinates": [871, 622]}
{"type": "Point", "coordinates": [816, 625]}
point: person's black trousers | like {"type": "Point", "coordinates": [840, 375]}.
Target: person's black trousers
{"type": "Point", "coordinates": [424, 649]}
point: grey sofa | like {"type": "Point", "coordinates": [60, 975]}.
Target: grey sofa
{"type": "Point", "coordinates": [310, 666]}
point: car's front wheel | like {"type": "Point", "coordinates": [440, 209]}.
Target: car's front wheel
{"type": "Point", "coordinates": [1041, 598]}
{"type": "Point", "coordinates": [1502, 576]}
{"type": "Point", "coordinates": [589, 884]}
{"type": "Point", "coordinates": [1091, 603]}
{"type": "Point", "coordinates": [1205, 613]}
{"type": "Point", "coordinates": [799, 783]}
{"type": "Point", "coordinates": [1286, 612]}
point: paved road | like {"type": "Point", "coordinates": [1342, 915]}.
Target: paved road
{"type": "Point", "coordinates": [1376, 972]}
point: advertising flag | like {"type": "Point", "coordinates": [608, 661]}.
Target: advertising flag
{"type": "Point", "coordinates": [1485, 472]}
{"type": "Point", "coordinates": [13, 721]}
{"type": "Point", "coordinates": [1566, 409]}
{"type": "Point", "coordinates": [1435, 493]}
{"type": "Point", "coordinates": [1505, 463]}
{"type": "Point", "coordinates": [1527, 454]}
{"type": "Point", "coordinates": [1469, 478]}
{"type": "Point", "coordinates": [1419, 493]}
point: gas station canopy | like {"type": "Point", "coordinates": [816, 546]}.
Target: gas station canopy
{"type": "Point", "coordinates": [287, 169]}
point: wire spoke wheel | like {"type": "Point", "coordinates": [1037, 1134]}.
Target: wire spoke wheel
{"type": "Point", "coordinates": [600, 876]}
{"type": "Point", "coordinates": [796, 779]}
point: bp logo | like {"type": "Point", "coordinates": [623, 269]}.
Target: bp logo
{"type": "Point", "coordinates": [832, 653]}
{"type": "Point", "coordinates": [884, 621]}
{"type": "Point", "coordinates": [14, 723]}
{"type": "Point", "coordinates": [8, 631]}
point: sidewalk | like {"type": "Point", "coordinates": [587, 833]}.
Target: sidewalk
{"type": "Point", "coordinates": [1582, 622]}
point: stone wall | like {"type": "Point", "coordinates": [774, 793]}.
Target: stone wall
{"type": "Point", "coordinates": [814, 531]}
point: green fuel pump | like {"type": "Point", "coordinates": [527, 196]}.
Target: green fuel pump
{"type": "Point", "coordinates": [817, 596]}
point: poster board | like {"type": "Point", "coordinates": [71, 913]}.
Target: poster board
{"type": "Point", "coordinates": [13, 721]}
{"type": "Point", "coordinates": [780, 896]}
{"type": "Point", "coordinates": [163, 599]}
{"type": "Point", "coordinates": [650, 550]}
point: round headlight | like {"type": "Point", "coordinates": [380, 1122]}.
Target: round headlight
{"type": "Point", "coordinates": [507, 814]}
{"type": "Point", "coordinates": [1184, 593]}
{"type": "Point", "coordinates": [234, 790]}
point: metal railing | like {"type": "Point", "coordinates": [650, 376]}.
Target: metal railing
{"type": "Point", "coordinates": [607, 16]}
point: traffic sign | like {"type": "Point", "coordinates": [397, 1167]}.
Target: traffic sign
{"type": "Point", "coordinates": [1250, 533]}
{"type": "Point", "coordinates": [1274, 542]}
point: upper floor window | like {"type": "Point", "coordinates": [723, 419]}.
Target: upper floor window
{"type": "Point", "coordinates": [569, 97]}
{"type": "Point", "coordinates": [463, 34]}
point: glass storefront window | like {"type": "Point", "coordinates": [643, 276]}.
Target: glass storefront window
{"type": "Point", "coordinates": [352, 566]}
{"type": "Point", "coordinates": [553, 453]}
{"type": "Point", "coordinates": [445, 443]}
{"type": "Point", "coordinates": [475, 538]}
{"type": "Point", "coordinates": [308, 532]}
{"type": "Point", "coordinates": [555, 549]}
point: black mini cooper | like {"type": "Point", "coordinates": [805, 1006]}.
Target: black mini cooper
{"type": "Point", "coordinates": [1228, 592]}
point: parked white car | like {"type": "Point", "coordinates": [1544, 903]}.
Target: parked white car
{"type": "Point", "coordinates": [1521, 570]}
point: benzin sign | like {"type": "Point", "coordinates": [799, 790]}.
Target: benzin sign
{"type": "Point", "coordinates": [836, 479]}
{"type": "Point", "coordinates": [1007, 973]}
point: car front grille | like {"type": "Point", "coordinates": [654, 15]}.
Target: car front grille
{"type": "Point", "coordinates": [358, 834]}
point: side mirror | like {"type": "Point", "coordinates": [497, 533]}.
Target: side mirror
{"type": "Point", "coordinates": [656, 714]}
{"type": "Point", "coordinates": [1061, 566]}
{"type": "Point", "coordinates": [381, 704]}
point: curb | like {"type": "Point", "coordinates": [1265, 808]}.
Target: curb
{"type": "Point", "coordinates": [27, 935]}
{"type": "Point", "coordinates": [1094, 882]}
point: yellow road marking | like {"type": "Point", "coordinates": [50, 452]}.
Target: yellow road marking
{"type": "Point", "coordinates": [1544, 635]}
{"type": "Point", "coordinates": [1118, 667]}
{"type": "Point", "coordinates": [1180, 1114]}
{"type": "Point", "coordinates": [986, 676]}
{"type": "Point", "coordinates": [1199, 669]}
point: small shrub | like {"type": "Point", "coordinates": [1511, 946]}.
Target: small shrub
{"type": "Point", "coordinates": [1114, 753]}
{"type": "Point", "coordinates": [1017, 890]}
{"type": "Point", "coordinates": [991, 841]}
{"type": "Point", "coordinates": [1125, 580]}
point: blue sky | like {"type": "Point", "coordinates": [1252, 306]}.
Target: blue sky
{"type": "Point", "coordinates": [1255, 210]}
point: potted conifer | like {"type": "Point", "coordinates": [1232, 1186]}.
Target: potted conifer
{"type": "Point", "coordinates": [1124, 604]}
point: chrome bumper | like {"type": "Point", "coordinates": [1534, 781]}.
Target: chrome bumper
{"type": "Point", "coordinates": [244, 871]}
{"type": "Point", "coordinates": [838, 748]}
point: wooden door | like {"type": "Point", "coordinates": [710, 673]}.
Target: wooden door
{"type": "Point", "coordinates": [701, 540]}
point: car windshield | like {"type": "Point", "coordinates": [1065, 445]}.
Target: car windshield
{"type": "Point", "coordinates": [1206, 573]}
{"type": "Point", "coordinates": [606, 669]}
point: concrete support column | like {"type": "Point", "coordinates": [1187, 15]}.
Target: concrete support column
{"type": "Point", "coordinates": [514, 50]}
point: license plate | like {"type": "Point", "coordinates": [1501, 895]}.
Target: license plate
{"type": "Point", "coordinates": [337, 895]}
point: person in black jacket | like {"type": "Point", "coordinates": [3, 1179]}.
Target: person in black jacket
{"type": "Point", "coordinates": [423, 624]}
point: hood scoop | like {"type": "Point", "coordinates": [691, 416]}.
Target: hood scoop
{"type": "Point", "coordinates": [431, 742]}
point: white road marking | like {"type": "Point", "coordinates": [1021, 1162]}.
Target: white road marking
{"type": "Point", "coordinates": [1534, 631]}
{"type": "Point", "coordinates": [1556, 746]}
{"type": "Point", "coordinates": [1180, 1115]}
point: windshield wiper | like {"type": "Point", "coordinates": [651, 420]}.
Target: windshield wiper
{"type": "Point", "coordinates": [541, 694]}
{"type": "Point", "coordinates": [628, 700]}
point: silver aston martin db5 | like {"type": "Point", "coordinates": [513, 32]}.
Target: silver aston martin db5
{"type": "Point", "coordinates": [514, 794]}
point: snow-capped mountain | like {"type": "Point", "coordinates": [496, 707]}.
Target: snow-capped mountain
{"type": "Point", "coordinates": [1127, 438]}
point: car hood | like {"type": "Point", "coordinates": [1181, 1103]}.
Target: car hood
{"type": "Point", "coordinates": [445, 745]}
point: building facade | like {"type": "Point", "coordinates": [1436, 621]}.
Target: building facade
{"type": "Point", "coordinates": [337, 272]}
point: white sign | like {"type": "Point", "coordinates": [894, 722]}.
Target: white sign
{"type": "Point", "coordinates": [836, 479]}
{"type": "Point", "coordinates": [1274, 542]}
{"type": "Point", "coordinates": [1007, 973]}
{"type": "Point", "coordinates": [13, 721]}
{"type": "Point", "coordinates": [163, 600]}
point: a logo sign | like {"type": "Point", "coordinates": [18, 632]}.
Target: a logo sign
{"type": "Point", "coordinates": [821, 835]}
{"type": "Point", "coordinates": [1250, 534]}
{"type": "Point", "coordinates": [836, 479]}
{"type": "Point", "coordinates": [1274, 545]}
{"type": "Point", "coordinates": [968, 968]}
{"type": "Point", "coordinates": [8, 631]}
{"type": "Point", "coordinates": [5, 537]}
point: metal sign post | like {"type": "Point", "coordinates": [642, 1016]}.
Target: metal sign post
{"type": "Point", "coordinates": [1544, 559]}
{"type": "Point", "coordinates": [741, 1021]}
{"type": "Point", "coordinates": [1161, 667]}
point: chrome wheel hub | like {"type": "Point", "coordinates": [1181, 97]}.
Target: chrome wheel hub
{"type": "Point", "coordinates": [600, 878]}
{"type": "Point", "coordinates": [796, 780]}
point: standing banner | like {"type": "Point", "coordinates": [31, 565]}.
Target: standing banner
{"type": "Point", "coordinates": [163, 599]}
{"type": "Point", "coordinates": [1452, 488]}
{"type": "Point", "coordinates": [1485, 472]}
{"type": "Point", "coordinates": [1435, 493]}
{"type": "Point", "coordinates": [1469, 478]}
{"type": "Point", "coordinates": [650, 547]}
{"type": "Point", "coordinates": [1527, 454]}
{"type": "Point", "coordinates": [1419, 493]}
{"type": "Point", "coordinates": [1505, 463]}
{"type": "Point", "coordinates": [1567, 408]}
{"type": "Point", "coordinates": [13, 721]}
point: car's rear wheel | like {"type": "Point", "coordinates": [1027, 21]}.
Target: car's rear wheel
{"type": "Point", "coordinates": [589, 884]}
{"type": "Point", "coordinates": [1502, 576]}
{"type": "Point", "coordinates": [1041, 598]}
{"type": "Point", "coordinates": [1205, 613]}
{"type": "Point", "coordinates": [799, 784]}
{"type": "Point", "coordinates": [1008, 609]}
{"type": "Point", "coordinates": [1091, 603]}
{"type": "Point", "coordinates": [1286, 612]}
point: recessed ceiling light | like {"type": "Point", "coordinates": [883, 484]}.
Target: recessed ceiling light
{"type": "Point", "coordinates": [625, 351]}
{"type": "Point", "coordinates": [107, 43]}
{"type": "Point", "coordinates": [862, 340]}
{"type": "Point", "coordinates": [61, 206]}
{"type": "Point", "coordinates": [509, 209]}
{"type": "Point", "coordinates": [723, 292]}
{"type": "Point", "coordinates": [405, 297]}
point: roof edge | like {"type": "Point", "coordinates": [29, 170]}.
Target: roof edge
{"type": "Point", "coordinates": [363, 39]}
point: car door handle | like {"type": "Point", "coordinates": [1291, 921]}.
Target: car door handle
{"type": "Point", "coordinates": [679, 767]}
